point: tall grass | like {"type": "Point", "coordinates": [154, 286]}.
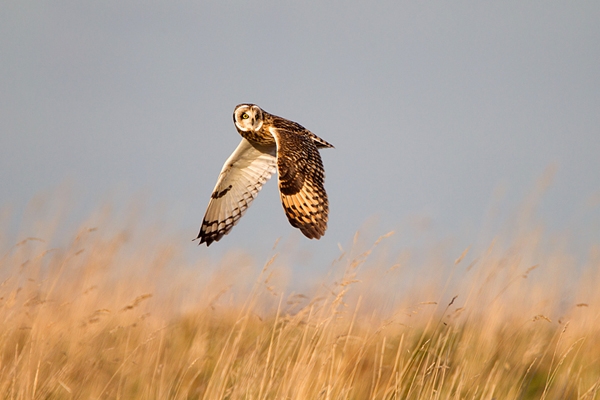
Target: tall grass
{"type": "Point", "coordinates": [112, 316]}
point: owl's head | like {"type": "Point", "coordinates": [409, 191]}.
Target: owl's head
{"type": "Point", "coordinates": [248, 117]}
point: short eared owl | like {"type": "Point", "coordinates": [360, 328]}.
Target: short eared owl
{"type": "Point", "coordinates": [268, 143]}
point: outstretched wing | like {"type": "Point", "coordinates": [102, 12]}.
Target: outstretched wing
{"type": "Point", "coordinates": [241, 178]}
{"type": "Point", "coordinates": [301, 182]}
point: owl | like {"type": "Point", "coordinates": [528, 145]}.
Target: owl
{"type": "Point", "coordinates": [269, 143]}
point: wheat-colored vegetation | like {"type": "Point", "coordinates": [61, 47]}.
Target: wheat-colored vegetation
{"type": "Point", "coordinates": [109, 316]}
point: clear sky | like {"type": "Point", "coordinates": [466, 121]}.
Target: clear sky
{"type": "Point", "coordinates": [432, 107]}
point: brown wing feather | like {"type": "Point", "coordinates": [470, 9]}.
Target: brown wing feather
{"type": "Point", "coordinates": [301, 182]}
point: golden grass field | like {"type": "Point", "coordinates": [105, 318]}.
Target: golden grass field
{"type": "Point", "coordinates": [113, 315]}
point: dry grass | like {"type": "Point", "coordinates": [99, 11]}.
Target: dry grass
{"type": "Point", "coordinates": [109, 316]}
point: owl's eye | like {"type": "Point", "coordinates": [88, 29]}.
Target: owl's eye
{"type": "Point", "coordinates": [245, 116]}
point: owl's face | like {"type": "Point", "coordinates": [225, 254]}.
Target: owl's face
{"type": "Point", "coordinates": [248, 117]}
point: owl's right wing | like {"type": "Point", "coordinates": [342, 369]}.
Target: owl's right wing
{"type": "Point", "coordinates": [240, 180]}
{"type": "Point", "coordinates": [301, 181]}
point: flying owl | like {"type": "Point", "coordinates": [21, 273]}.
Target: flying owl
{"type": "Point", "coordinates": [269, 143]}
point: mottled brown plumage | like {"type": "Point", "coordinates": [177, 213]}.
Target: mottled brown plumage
{"type": "Point", "coordinates": [270, 142]}
{"type": "Point", "coordinates": [301, 182]}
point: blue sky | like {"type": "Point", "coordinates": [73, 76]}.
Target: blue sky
{"type": "Point", "coordinates": [434, 109]}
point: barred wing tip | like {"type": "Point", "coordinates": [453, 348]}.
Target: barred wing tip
{"type": "Point", "coordinates": [203, 239]}
{"type": "Point", "coordinates": [208, 237]}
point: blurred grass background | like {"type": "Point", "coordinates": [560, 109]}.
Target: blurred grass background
{"type": "Point", "coordinates": [119, 312]}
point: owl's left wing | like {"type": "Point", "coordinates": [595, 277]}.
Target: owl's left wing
{"type": "Point", "coordinates": [301, 181]}
{"type": "Point", "coordinates": [240, 180]}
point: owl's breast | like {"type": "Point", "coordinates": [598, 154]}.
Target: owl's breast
{"type": "Point", "coordinates": [262, 137]}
